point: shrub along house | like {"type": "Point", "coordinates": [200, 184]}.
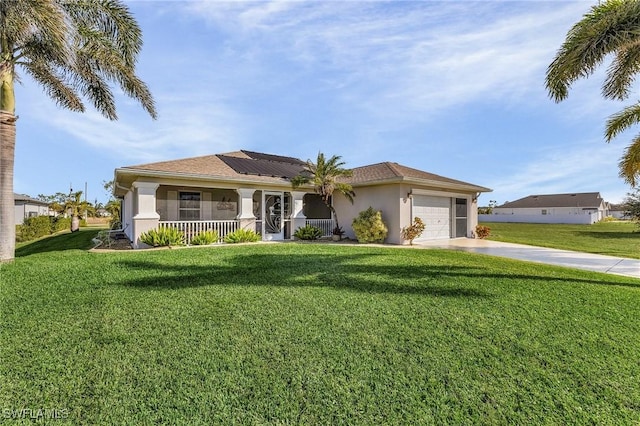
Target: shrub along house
{"type": "Point", "coordinates": [251, 190]}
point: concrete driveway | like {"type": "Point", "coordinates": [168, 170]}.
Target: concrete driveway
{"type": "Point", "coordinates": [570, 259]}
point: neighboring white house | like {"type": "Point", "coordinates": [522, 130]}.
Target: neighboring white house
{"type": "Point", "coordinates": [618, 211]}
{"type": "Point", "coordinates": [252, 190]}
{"type": "Point", "coordinates": [26, 207]}
{"type": "Point", "coordinates": [585, 208]}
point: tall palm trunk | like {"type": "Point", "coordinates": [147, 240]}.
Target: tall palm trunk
{"type": "Point", "coordinates": [7, 210]}
{"type": "Point", "coordinates": [333, 212]}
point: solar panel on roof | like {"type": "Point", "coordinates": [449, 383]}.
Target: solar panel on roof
{"type": "Point", "coordinates": [262, 167]}
{"type": "Point", "coordinates": [271, 157]}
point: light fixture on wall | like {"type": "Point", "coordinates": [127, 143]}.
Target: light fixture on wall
{"type": "Point", "coordinates": [410, 195]}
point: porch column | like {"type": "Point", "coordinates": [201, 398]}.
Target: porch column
{"type": "Point", "coordinates": [472, 214]}
{"type": "Point", "coordinates": [246, 218]}
{"type": "Point", "coordinates": [298, 219]}
{"type": "Point", "coordinates": [127, 214]}
{"type": "Point", "coordinates": [146, 217]}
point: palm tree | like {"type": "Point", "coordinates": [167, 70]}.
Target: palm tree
{"type": "Point", "coordinates": [324, 175]}
{"type": "Point", "coordinates": [610, 28]}
{"type": "Point", "coordinates": [75, 206]}
{"type": "Point", "coordinates": [74, 50]}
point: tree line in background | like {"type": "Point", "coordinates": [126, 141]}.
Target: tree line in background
{"type": "Point", "coordinates": [631, 205]}
{"type": "Point", "coordinates": [72, 204]}
{"type": "Point", "coordinates": [68, 211]}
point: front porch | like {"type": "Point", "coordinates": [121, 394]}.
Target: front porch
{"type": "Point", "coordinates": [273, 213]}
{"type": "Point", "coordinates": [224, 227]}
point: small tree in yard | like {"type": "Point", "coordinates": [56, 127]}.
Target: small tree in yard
{"type": "Point", "coordinates": [324, 175]}
{"type": "Point", "coordinates": [483, 231]}
{"type": "Point", "coordinates": [75, 207]}
{"type": "Point", "coordinates": [631, 205]}
{"type": "Point", "coordinates": [413, 231]}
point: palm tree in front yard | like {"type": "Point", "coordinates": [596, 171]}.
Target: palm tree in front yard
{"type": "Point", "coordinates": [74, 50]}
{"type": "Point", "coordinates": [324, 175]}
{"type": "Point", "coordinates": [75, 207]}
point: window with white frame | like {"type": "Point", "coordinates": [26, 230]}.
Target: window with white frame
{"type": "Point", "coordinates": [189, 206]}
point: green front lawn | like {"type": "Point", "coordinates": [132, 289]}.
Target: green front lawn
{"type": "Point", "coordinates": [315, 334]}
{"type": "Point", "coordinates": [610, 238]}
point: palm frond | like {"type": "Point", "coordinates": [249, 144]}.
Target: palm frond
{"type": "Point", "coordinates": [300, 180]}
{"type": "Point", "coordinates": [622, 72]}
{"type": "Point", "coordinates": [630, 163]}
{"type": "Point", "coordinates": [76, 50]}
{"type": "Point", "coordinates": [323, 174]}
{"type": "Point", "coordinates": [609, 27]}
{"type": "Point", "coordinates": [54, 85]}
{"type": "Point", "coordinates": [346, 190]}
{"type": "Point", "coordinates": [622, 120]}
{"type": "Point", "coordinates": [21, 20]}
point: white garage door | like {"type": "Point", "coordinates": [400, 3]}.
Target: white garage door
{"type": "Point", "coordinates": [435, 212]}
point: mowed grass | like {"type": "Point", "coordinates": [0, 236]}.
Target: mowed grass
{"type": "Point", "coordinates": [609, 238]}
{"type": "Point", "coordinates": [315, 334]}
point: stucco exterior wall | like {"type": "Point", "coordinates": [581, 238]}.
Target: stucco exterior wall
{"type": "Point", "coordinates": [396, 206]}
{"type": "Point", "coordinates": [386, 198]}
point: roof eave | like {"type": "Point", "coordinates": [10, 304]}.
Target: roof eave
{"type": "Point", "coordinates": [200, 177]}
{"type": "Point", "coordinates": [425, 182]}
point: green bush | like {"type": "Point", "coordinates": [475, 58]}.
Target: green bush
{"type": "Point", "coordinates": [242, 236]}
{"type": "Point", "coordinates": [34, 227]}
{"type": "Point", "coordinates": [163, 237]}
{"type": "Point", "coordinates": [308, 232]}
{"type": "Point", "coordinates": [60, 223]}
{"type": "Point", "coordinates": [369, 227]}
{"type": "Point", "coordinates": [205, 238]}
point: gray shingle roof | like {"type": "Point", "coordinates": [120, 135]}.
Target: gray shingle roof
{"type": "Point", "coordinates": [276, 168]}
{"type": "Point", "coordinates": [388, 171]}
{"type": "Point", "coordinates": [584, 199]}
{"type": "Point", "coordinates": [26, 199]}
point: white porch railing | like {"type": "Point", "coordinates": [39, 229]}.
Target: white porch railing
{"type": "Point", "coordinates": [193, 228]}
{"type": "Point", "coordinates": [326, 225]}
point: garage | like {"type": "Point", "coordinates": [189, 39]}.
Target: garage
{"type": "Point", "coordinates": [435, 212]}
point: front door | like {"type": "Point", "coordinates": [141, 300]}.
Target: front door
{"type": "Point", "coordinates": [273, 216]}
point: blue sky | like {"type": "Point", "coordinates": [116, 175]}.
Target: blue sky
{"type": "Point", "coordinates": [454, 88]}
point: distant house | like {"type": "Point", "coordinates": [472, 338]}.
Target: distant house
{"type": "Point", "coordinates": [618, 211]}
{"type": "Point", "coordinates": [252, 190]}
{"type": "Point", "coordinates": [585, 208]}
{"type": "Point", "coordinates": [26, 207]}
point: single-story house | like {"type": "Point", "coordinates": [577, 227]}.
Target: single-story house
{"type": "Point", "coordinates": [26, 207]}
{"type": "Point", "coordinates": [252, 190]}
{"type": "Point", "coordinates": [586, 207]}
{"type": "Point", "coordinates": [618, 211]}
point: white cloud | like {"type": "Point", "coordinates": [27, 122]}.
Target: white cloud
{"type": "Point", "coordinates": [394, 59]}
{"type": "Point", "coordinates": [185, 128]}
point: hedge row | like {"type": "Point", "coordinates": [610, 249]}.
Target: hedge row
{"type": "Point", "coordinates": [39, 226]}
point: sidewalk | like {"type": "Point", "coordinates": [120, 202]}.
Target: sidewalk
{"type": "Point", "coordinates": [570, 259]}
